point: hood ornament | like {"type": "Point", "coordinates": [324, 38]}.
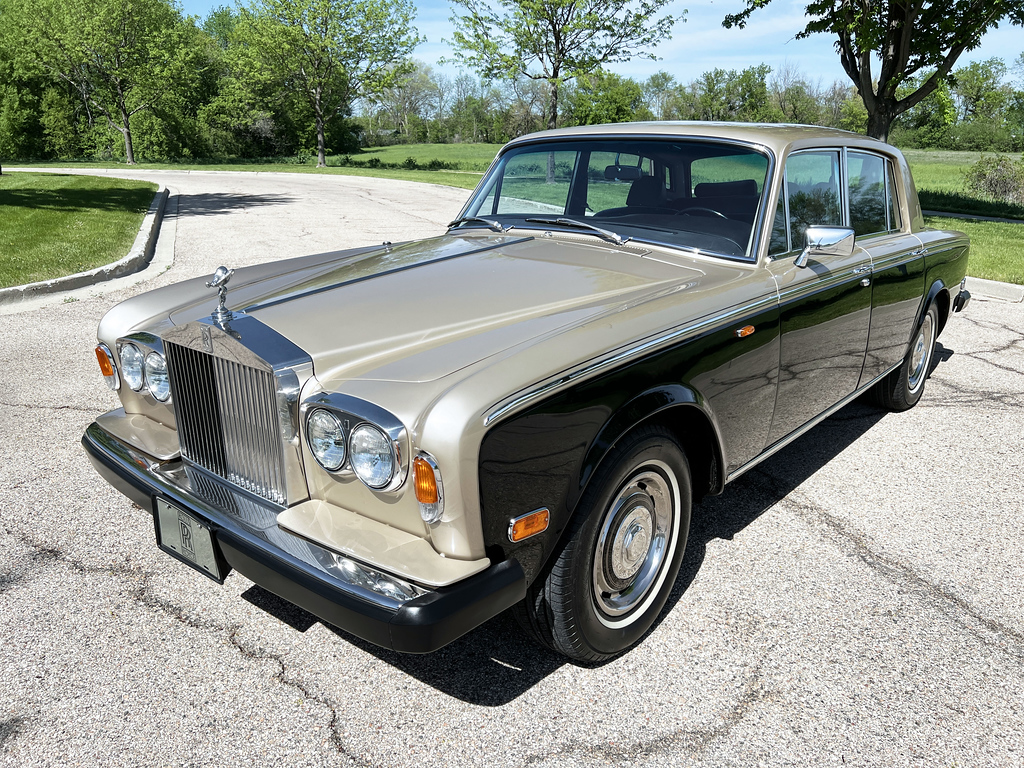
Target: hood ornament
{"type": "Point", "coordinates": [220, 278]}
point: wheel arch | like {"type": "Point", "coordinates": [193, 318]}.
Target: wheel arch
{"type": "Point", "coordinates": [683, 412]}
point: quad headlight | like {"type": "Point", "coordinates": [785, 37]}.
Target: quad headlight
{"type": "Point", "coordinates": [367, 451]}
{"type": "Point", "coordinates": [326, 437]}
{"type": "Point", "coordinates": [373, 456]}
{"type": "Point", "coordinates": [132, 363]}
{"type": "Point", "coordinates": [142, 366]}
{"type": "Point", "coordinates": [157, 380]}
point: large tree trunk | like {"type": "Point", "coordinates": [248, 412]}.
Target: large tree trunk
{"type": "Point", "coordinates": [880, 120]}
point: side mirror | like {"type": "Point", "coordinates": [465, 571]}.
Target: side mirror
{"type": "Point", "coordinates": [826, 241]}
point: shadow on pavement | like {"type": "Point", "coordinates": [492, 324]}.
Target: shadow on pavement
{"type": "Point", "coordinates": [495, 663]}
{"type": "Point", "coordinates": [214, 203]}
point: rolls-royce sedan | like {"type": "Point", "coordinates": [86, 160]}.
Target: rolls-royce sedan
{"type": "Point", "coordinates": [408, 439]}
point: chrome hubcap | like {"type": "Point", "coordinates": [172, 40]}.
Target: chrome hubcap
{"type": "Point", "coordinates": [920, 355]}
{"type": "Point", "coordinates": [631, 545]}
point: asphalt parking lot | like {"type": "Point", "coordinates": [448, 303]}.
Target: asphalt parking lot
{"type": "Point", "coordinates": [856, 600]}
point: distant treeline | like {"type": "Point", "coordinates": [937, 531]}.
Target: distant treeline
{"type": "Point", "coordinates": [201, 89]}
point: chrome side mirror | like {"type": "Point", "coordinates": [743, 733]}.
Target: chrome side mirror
{"type": "Point", "coordinates": [826, 241]}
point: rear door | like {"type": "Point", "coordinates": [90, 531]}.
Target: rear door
{"type": "Point", "coordinates": [825, 306]}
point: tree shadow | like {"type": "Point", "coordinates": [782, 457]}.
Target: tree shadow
{"type": "Point", "coordinates": [496, 663]}
{"type": "Point", "coordinates": [216, 203]}
{"type": "Point", "coordinates": [84, 197]}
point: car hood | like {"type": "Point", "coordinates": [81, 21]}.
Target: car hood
{"type": "Point", "coordinates": [422, 310]}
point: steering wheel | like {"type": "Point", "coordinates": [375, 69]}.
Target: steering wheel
{"type": "Point", "coordinates": [704, 211]}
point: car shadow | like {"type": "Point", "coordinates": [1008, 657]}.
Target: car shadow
{"type": "Point", "coordinates": [216, 203]}
{"type": "Point", "coordinates": [496, 663]}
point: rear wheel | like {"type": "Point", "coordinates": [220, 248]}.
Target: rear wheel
{"type": "Point", "coordinates": [612, 576]}
{"type": "Point", "coordinates": [902, 388]}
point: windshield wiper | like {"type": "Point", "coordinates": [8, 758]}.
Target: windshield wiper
{"type": "Point", "coordinates": [603, 233]}
{"type": "Point", "coordinates": [492, 225]}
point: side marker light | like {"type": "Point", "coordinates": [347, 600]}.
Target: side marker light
{"type": "Point", "coordinates": [528, 525]}
{"type": "Point", "coordinates": [745, 331]}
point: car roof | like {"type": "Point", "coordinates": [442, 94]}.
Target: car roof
{"type": "Point", "coordinates": [776, 136]}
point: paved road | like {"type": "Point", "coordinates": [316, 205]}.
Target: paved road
{"type": "Point", "coordinates": [854, 601]}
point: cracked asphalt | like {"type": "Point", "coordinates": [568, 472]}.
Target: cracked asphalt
{"type": "Point", "coordinates": [855, 600]}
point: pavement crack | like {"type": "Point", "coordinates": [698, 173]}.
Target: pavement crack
{"type": "Point", "coordinates": [694, 740]}
{"type": "Point", "coordinates": [989, 631]}
{"type": "Point", "coordinates": [43, 407]}
{"type": "Point", "coordinates": [261, 654]}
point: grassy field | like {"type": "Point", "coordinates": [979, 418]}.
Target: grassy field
{"type": "Point", "coordinates": [53, 225]}
{"type": "Point", "coordinates": [996, 251]}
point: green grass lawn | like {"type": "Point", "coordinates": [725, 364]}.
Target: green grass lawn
{"type": "Point", "coordinates": [53, 225]}
{"type": "Point", "coordinates": [996, 250]}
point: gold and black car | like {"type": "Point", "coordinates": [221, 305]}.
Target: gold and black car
{"type": "Point", "coordinates": [409, 439]}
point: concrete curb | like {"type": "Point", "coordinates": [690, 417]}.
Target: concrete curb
{"type": "Point", "coordinates": [992, 289]}
{"type": "Point", "coordinates": [137, 259]}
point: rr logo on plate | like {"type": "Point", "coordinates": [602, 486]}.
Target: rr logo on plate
{"type": "Point", "coordinates": [185, 530]}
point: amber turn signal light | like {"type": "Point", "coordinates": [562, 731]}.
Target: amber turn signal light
{"type": "Point", "coordinates": [105, 366]}
{"type": "Point", "coordinates": [426, 481]}
{"type": "Point", "coordinates": [745, 331]}
{"type": "Point", "coordinates": [529, 525]}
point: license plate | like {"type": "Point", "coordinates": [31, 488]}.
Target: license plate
{"type": "Point", "coordinates": [187, 538]}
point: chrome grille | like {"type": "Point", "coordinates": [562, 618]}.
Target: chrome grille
{"type": "Point", "coordinates": [227, 420]}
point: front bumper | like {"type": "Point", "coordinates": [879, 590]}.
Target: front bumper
{"type": "Point", "coordinates": [303, 572]}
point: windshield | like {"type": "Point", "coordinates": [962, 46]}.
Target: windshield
{"type": "Point", "coordinates": [691, 194]}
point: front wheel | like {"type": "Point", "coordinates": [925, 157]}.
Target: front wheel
{"type": "Point", "coordinates": [611, 578]}
{"type": "Point", "coordinates": [902, 388]}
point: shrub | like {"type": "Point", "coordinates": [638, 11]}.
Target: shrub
{"type": "Point", "coordinates": [410, 164]}
{"type": "Point", "coordinates": [997, 178]}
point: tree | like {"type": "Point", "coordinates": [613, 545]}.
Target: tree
{"type": "Point", "coordinates": [907, 36]}
{"type": "Point", "coordinates": [116, 54]}
{"type": "Point", "coordinates": [555, 40]}
{"type": "Point", "coordinates": [979, 91]}
{"type": "Point", "coordinates": [330, 51]}
{"type": "Point", "coordinates": [605, 97]}
{"type": "Point", "coordinates": [658, 92]}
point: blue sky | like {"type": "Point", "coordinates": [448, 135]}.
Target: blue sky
{"type": "Point", "coordinates": [701, 43]}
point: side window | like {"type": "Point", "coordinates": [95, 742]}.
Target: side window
{"type": "Point", "coordinates": [779, 242]}
{"type": "Point", "coordinates": [895, 220]}
{"type": "Point", "coordinates": [813, 186]}
{"type": "Point", "coordinates": [867, 193]}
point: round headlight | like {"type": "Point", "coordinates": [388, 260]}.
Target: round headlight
{"type": "Point", "coordinates": [372, 456]}
{"type": "Point", "coordinates": [326, 438]}
{"type": "Point", "coordinates": [156, 377]}
{"type": "Point", "coordinates": [131, 366]}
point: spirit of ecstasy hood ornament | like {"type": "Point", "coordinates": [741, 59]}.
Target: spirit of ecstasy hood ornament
{"type": "Point", "coordinates": [220, 278]}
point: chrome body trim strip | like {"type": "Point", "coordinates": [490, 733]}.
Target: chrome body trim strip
{"type": "Point", "coordinates": [772, 450]}
{"type": "Point", "coordinates": [594, 367]}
